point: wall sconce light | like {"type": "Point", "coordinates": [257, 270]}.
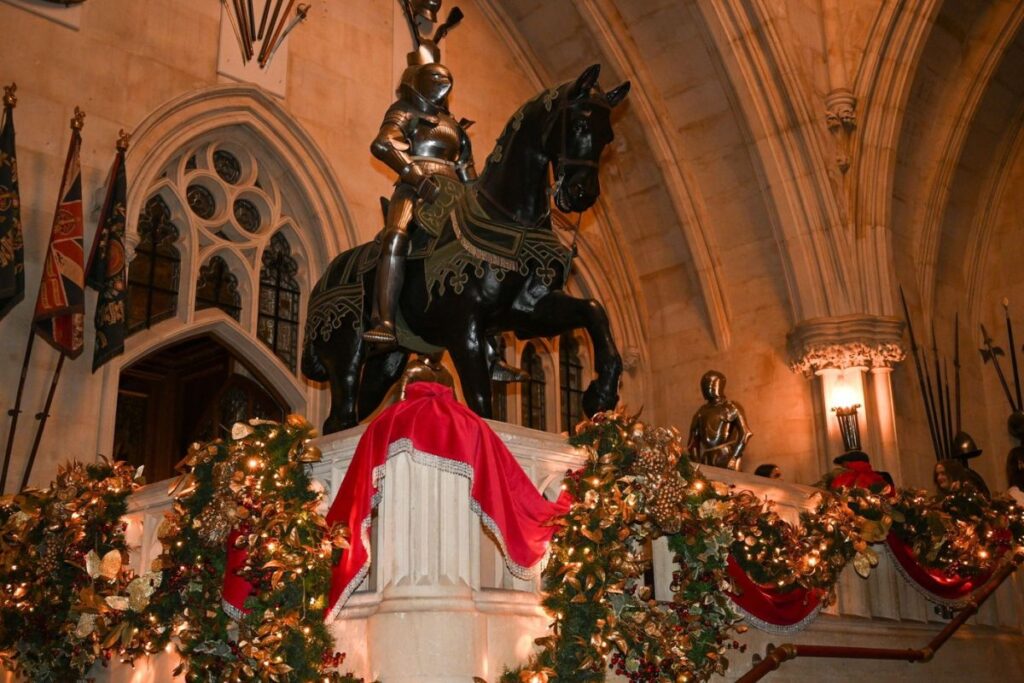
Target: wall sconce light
{"type": "Point", "coordinates": [844, 401]}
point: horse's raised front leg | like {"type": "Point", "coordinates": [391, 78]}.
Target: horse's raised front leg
{"type": "Point", "coordinates": [469, 354]}
{"type": "Point", "coordinates": [558, 313]}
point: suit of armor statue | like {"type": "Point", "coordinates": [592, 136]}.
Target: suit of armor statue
{"type": "Point", "coordinates": [718, 432]}
{"type": "Point", "coordinates": [418, 139]}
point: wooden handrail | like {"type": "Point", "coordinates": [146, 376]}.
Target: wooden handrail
{"type": "Point", "coordinates": [784, 653]}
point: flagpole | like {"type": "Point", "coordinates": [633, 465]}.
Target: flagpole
{"type": "Point", "coordinates": [16, 411]}
{"type": "Point", "coordinates": [58, 319]}
{"type": "Point", "coordinates": [42, 423]}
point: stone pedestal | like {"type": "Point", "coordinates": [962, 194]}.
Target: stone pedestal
{"type": "Point", "coordinates": [426, 628]}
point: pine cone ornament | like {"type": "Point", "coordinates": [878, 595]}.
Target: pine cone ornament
{"type": "Point", "coordinates": [650, 462]}
{"type": "Point", "coordinates": [665, 504]}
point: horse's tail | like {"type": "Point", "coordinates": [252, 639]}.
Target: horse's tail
{"type": "Point", "coordinates": [312, 367]}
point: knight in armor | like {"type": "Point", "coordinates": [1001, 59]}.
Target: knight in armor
{"type": "Point", "coordinates": [418, 139]}
{"type": "Point", "coordinates": [719, 431]}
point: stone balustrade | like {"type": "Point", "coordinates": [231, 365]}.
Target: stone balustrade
{"type": "Point", "coordinates": [440, 606]}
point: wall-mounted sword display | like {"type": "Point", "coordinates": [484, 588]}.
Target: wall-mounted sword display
{"type": "Point", "coordinates": [260, 38]}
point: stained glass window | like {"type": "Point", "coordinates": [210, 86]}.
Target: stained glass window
{"type": "Point", "coordinates": [201, 201]}
{"type": "Point", "coordinates": [154, 271]}
{"type": "Point", "coordinates": [533, 399]}
{"type": "Point", "coordinates": [570, 381]}
{"type": "Point", "coordinates": [278, 325]}
{"type": "Point", "coordinates": [217, 287]}
{"type": "Point", "coordinates": [227, 166]}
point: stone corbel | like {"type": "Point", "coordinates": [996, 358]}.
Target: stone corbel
{"type": "Point", "coordinates": [841, 119]}
{"type": "Point", "coordinates": [843, 342]}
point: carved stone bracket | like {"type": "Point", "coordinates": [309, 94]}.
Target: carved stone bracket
{"type": "Point", "coordinates": [846, 342]}
{"type": "Point", "coordinates": [841, 119]}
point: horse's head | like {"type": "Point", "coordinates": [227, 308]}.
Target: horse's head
{"type": "Point", "coordinates": [577, 132]}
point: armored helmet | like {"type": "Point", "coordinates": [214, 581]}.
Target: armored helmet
{"type": "Point", "coordinates": [963, 446]}
{"type": "Point", "coordinates": [427, 9]}
{"type": "Point", "coordinates": [432, 82]}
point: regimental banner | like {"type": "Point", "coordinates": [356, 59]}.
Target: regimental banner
{"type": "Point", "coordinates": [60, 307]}
{"type": "Point", "coordinates": [12, 252]}
{"type": "Point", "coordinates": [107, 270]}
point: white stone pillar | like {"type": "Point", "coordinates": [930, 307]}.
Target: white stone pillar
{"type": "Point", "coordinates": [426, 628]}
{"type": "Point", "coordinates": [882, 419]}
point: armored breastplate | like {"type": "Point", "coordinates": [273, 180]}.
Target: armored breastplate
{"type": "Point", "coordinates": [436, 137]}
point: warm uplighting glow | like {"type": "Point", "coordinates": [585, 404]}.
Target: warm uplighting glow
{"type": "Point", "coordinates": [843, 394]}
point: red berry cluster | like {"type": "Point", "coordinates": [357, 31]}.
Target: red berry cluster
{"type": "Point", "coordinates": [333, 660]}
{"type": "Point", "coordinates": [648, 672]}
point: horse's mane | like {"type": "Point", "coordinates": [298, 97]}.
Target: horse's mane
{"type": "Point", "coordinates": [547, 99]}
{"type": "Point", "coordinates": [514, 122]}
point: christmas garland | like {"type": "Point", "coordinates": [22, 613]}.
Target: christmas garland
{"type": "Point", "coordinates": [637, 484]}
{"type": "Point", "coordinates": [62, 571]}
{"type": "Point", "coordinates": [256, 491]}
{"type": "Point", "coordinates": [68, 598]}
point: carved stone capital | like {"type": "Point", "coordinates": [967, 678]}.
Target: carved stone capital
{"type": "Point", "coordinates": [845, 342]}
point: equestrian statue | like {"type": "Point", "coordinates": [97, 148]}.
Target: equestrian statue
{"type": "Point", "coordinates": [463, 258]}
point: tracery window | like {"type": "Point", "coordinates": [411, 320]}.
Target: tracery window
{"type": "Point", "coordinates": [278, 325]}
{"type": "Point", "coordinates": [154, 273]}
{"type": "Point", "coordinates": [570, 381]}
{"type": "Point", "coordinates": [217, 287]}
{"type": "Point", "coordinates": [534, 403]}
{"type": "Point", "coordinates": [234, 236]}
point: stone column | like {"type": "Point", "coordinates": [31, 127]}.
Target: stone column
{"type": "Point", "coordinates": [861, 349]}
{"type": "Point", "coordinates": [426, 628]}
{"type": "Point", "coordinates": [882, 419]}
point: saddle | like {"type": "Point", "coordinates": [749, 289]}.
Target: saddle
{"type": "Point", "coordinates": [473, 240]}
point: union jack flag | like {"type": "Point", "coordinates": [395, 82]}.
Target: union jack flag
{"type": "Point", "coordinates": [60, 307]}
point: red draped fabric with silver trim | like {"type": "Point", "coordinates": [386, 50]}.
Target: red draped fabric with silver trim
{"type": "Point", "coordinates": [770, 609]}
{"type": "Point", "coordinates": [935, 584]}
{"type": "Point", "coordinates": [435, 430]}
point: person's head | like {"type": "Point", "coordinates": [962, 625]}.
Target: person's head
{"type": "Point", "coordinates": [941, 475]}
{"type": "Point", "coordinates": [768, 470]}
{"type": "Point", "coordinates": [1015, 467]}
{"type": "Point", "coordinates": [712, 385]}
{"type": "Point", "coordinates": [1015, 424]}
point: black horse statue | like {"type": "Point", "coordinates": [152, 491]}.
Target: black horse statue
{"type": "Point", "coordinates": [483, 260]}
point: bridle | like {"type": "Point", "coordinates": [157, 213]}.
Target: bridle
{"type": "Point", "coordinates": [562, 159]}
{"type": "Point", "coordinates": [561, 162]}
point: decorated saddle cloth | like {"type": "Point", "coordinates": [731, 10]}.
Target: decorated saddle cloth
{"type": "Point", "coordinates": [475, 239]}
